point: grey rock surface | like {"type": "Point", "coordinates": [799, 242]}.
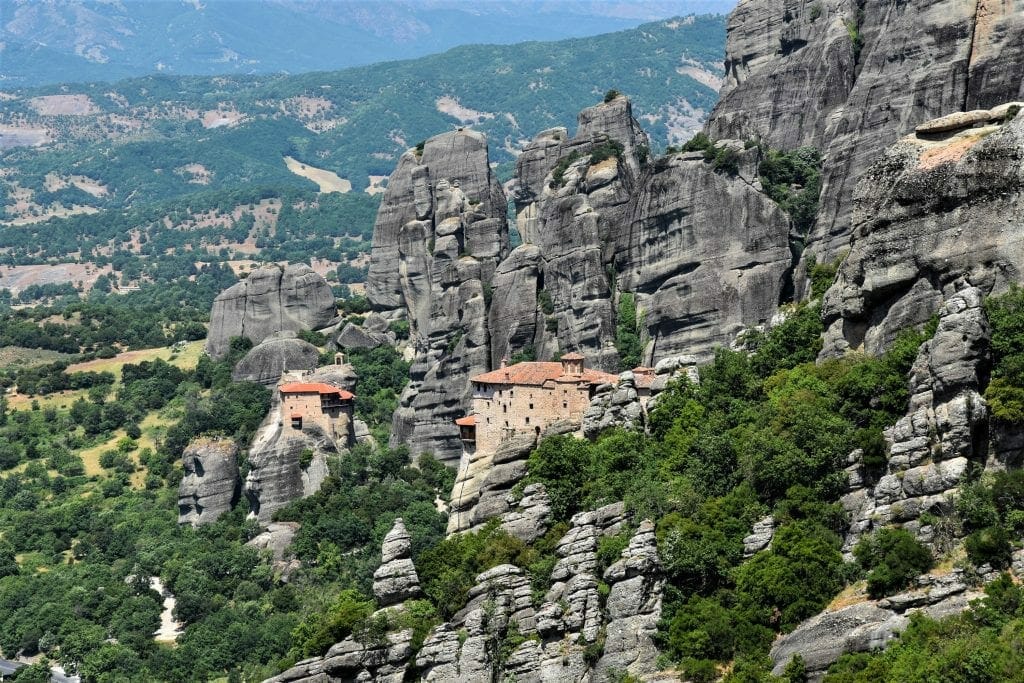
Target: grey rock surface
{"type": "Point", "coordinates": [211, 482]}
{"type": "Point", "coordinates": [270, 300]}
{"type": "Point", "coordinates": [439, 236]}
{"type": "Point", "coordinates": [931, 217]}
{"type": "Point", "coordinates": [266, 362]}
{"type": "Point", "coordinates": [931, 447]}
{"type": "Point", "coordinates": [633, 608]}
{"type": "Point", "coordinates": [822, 639]}
{"type": "Point", "coordinates": [699, 284]}
{"type": "Point", "coordinates": [570, 209]}
{"type": "Point", "coordinates": [618, 406]}
{"type": "Point", "coordinates": [793, 78]}
{"type": "Point", "coordinates": [278, 472]}
{"type": "Point", "coordinates": [395, 580]}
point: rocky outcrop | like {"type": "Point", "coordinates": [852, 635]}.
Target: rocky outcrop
{"type": "Point", "coordinates": [266, 362]}
{"type": "Point", "coordinates": [386, 658]}
{"type": "Point", "coordinates": [633, 608]}
{"type": "Point", "coordinates": [484, 482]}
{"type": "Point", "coordinates": [501, 634]}
{"type": "Point", "coordinates": [395, 580]}
{"type": "Point", "coordinates": [277, 540]}
{"type": "Point", "coordinates": [851, 77]}
{"type": "Point", "coordinates": [440, 234]}
{"type": "Point", "coordinates": [270, 300]}
{"type": "Point", "coordinates": [572, 197]}
{"type": "Point", "coordinates": [211, 482]}
{"type": "Point", "coordinates": [287, 464]}
{"type": "Point", "coordinates": [934, 213]}
{"type": "Point", "coordinates": [615, 406]}
{"type": "Point", "coordinates": [869, 625]}
{"type": "Point", "coordinates": [930, 449]}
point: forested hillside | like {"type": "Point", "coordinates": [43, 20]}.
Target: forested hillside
{"type": "Point", "coordinates": [138, 177]}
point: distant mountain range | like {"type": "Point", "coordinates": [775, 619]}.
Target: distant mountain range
{"type": "Point", "coordinates": [52, 41]}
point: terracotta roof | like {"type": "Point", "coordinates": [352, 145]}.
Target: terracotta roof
{"type": "Point", "coordinates": [537, 373]}
{"type": "Point", "coordinates": [644, 377]}
{"type": "Point", "coordinates": [467, 421]}
{"type": "Point", "coordinates": [572, 356]}
{"type": "Point", "coordinates": [314, 388]}
{"type": "Point", "coordinates": [296, 416]}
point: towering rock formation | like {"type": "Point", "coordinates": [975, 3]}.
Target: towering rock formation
{"type": "Point", "coordinates": [938, 210]}
{"type": "Point", "coordinates": [571, 199]}
{"type": "Point", "coordinates": [211, 483]}
{"type": "Point", "coordinates": [286, 464]}
{"type": "Point", "coordinates": [269, 301]}
{"type": "Point", "coordinates": [439, 236]}
{"type": "Point", "coordinates": [850, 77]}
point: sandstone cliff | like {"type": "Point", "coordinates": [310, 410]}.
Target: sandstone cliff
{"type": "Point", "coordinates": [287, 464]}
{"type": "Point", "coordinates": [937, 210]}
{"type": "Point", "coordinates": [851, 77]}
{"type": "Point", "coordinates": [268, 301]}
{"type": "Point", "coordinates": [439, 236]}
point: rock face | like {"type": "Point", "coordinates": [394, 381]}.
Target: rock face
{"type": "Point", "coordinates": [869, 625]}
{"type": "Point", "coordinates": [571, 198]}
{"type": "Point", "coordinates": [931, 215]}
{"type": "Point", "coordinates": [484, 481]}
{"type": "Point", "coordinates": [269, 301]}
{"type": "Point", "coordinates": [707, 256]}
{"type": "Point", "coordinates": [266, 362]}
{"type": "Point", "coordinates": [798, 74]}
{"type": "Point", "coordinates": [944, 430]}
{"type": "Point", "coordinates": [211, 483]}
{"type": "Point", "coordinates": [439, 236]}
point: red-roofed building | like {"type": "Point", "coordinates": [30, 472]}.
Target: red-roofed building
{"type": "Point", "coordinates": [326, 406]}
{"type": "Point", "coordinates": [527, 398]}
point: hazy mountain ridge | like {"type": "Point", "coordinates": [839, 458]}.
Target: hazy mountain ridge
{"type": "Point", "coordinates": [85, 40]}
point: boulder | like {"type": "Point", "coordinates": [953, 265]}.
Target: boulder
{"type": "Point", "coordinates": [266, 362]}
{"type": "Point", "coordinates": [270, 300]}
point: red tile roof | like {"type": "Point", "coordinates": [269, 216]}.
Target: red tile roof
{"type": "Point", "coordinates": [296, 416]}
{"type": "Point", "coordinates": [537, 373]}
{"type": "Point", "coordinates": [467, 421]}
{"type": "Point", "coordinates": [572, 356]}
{"type": "Point", "coordinates": [644, 377]}
{"type": "Point", "coordinates": [314, 388]}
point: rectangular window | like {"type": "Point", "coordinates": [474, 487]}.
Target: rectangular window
{"type": "Point", "coordinates": [504, 408]}
{"type": "Point", "coordinates": [565, 404]}
{"type": "Point", "coordinates": [527, 420]}
{"type": "Point", "coordinates": [531, 406]}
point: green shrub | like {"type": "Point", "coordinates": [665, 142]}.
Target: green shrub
{"type": "Point", "coordinates": [611, 95]}
{"type": "Point", "coordinates": [894, 558]}
{"type": "Point", "coordinates": [990, 545]}
{"type": "Point", "coordinates": [627, 333]}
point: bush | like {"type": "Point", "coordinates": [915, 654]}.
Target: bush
{"type": "Point", "coordinates": [990, 545]}
{"type": "Point", "coordinates": [894, 558]}
{"type": "Point", "coordinates": [611, 95]}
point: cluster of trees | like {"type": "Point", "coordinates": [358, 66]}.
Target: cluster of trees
{"type": "Point", "coordinates": [166, 311]}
